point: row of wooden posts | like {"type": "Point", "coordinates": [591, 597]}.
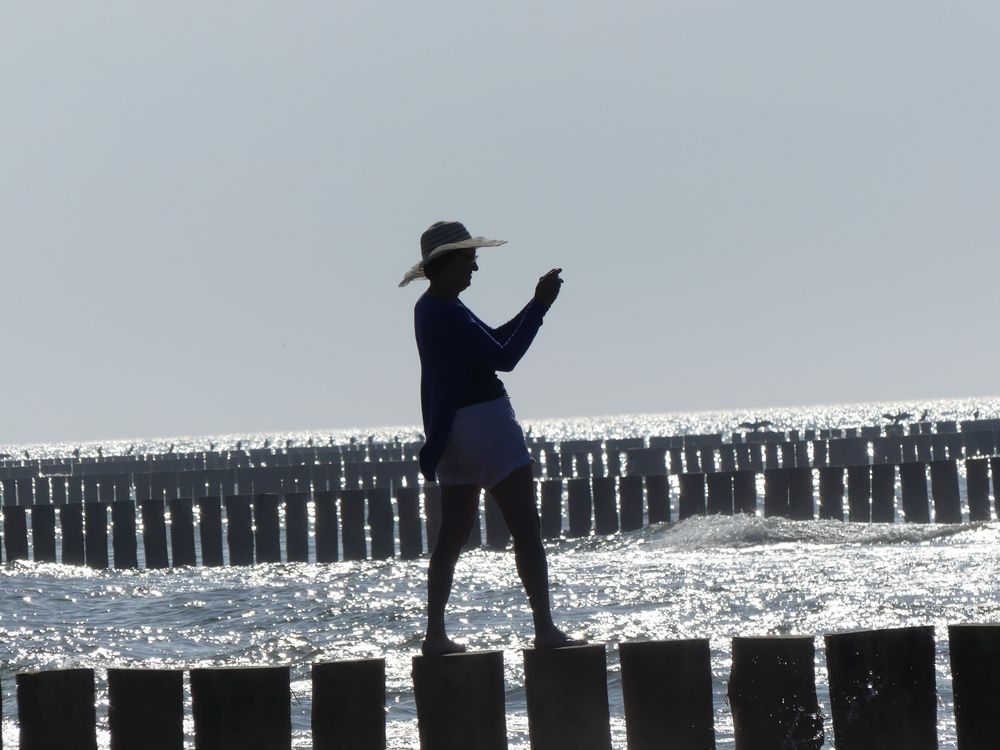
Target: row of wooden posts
{"type": "Point", "coordinates": [924, 433]}
{"type": "Point", "coordinates": [367, 500]}
{"type": "Point", "coordinates": [378, 523]}
{"type": "Point", "coordinates": [140, 477]}
{"type": "Point", "coordinates": [882, 689]}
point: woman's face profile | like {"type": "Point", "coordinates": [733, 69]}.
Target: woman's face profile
{"type": "Point", "coordinates": [459, 269]}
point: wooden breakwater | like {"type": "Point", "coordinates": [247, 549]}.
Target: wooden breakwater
{"type": "Point", "coordinates": [366, 500]}
{"type": "Point", "coordinates": [881, 684]}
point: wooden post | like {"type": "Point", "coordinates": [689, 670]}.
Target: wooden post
{"type": "Point", "coordinates": [106, 489]}
{"type": "Point", "coordinates": [352, 524]}
{"type": "Point", "coordinates": [42, 494]}
{"type": "Point", "coordinates": [297, 526]}
{"type": "Point", "coordinates": [74, 490]}
{"type": "Point", "coordinates": [71, 525]}
{"type": "Point", "coordinates": [239, 531]}
{"type": "Point", "coordinates": [123, 489]}
{"type": "Point", "coordinates": [630, 491]}
{"type": "Point", "coordinates": [381, 523]}
{"type": "Point", "coordinates": [246, 708]}
{"type": "Point", "coordinates": [771, 456]}
{"type": "Point", "coordinates": [597, 462]}
{"type": "Point", "coordinates": [552, 515]}
{"type": "Point", "coordinates": [883, 493]}
{"type": "Point", "coordinates": [978, 489]}
{"type": "Point", "coordinates": [923, 445]}
{"type": "Point", "coordinates": [614, 461]}
{"type": "Point", "coordinates": [745, 492]}
{"type": "Point", "coordinates": [91, 491]}
{"type": "Point", "coordinates": [776, 493]}
{"type": "Point", "coordinates": [605, 512]}
{"type": "Point", "coordinates": [348, 705]}
{"type": "Point", "coordinates": [327, 546]}
{"type": "Point", "coordinates": [154, 533]}
{"type": "Point", "coordinates": [882, 691]}
{"type": "Point", "coordinates": [772, 693]}
{"type": "Point", "coordinates": [692, 496]}
{"type": "Point", "coordinates": [913, 486]}
{"type": "Point", "coordinates": [143, 489]}
{"type": "Point", "coordinates": [182, 532]}
{"type": "Point", "coordinates": [657, 499]}
{"type": "Point", "coordinates": [352, 475]}
{"type": "Point", "coordinates": [667, 689]}
{"type": "Point", "coordinates": [567, 696]}
{"type": "Point", "coordinates": [831, 493]}
{"type": "Point", "coordinates": [58, 485]}
{"type": "Point", "coordinates": [944, 486]}
{"type": "Point", "coordinates": [56, 710]}
{"type": "Point", "coordinates": [975, 674]}
{"type": "Point", "coordinates": [859, 493]}
{"type": "Point", "coordinates": [210, 530]}
{"type": "Point", "coordinates": [720, 493]}
{"type": "Point", "coordinates": [15, 532]}
{"type": "Point", "coordinates": [727, 458]}
{"type": "Point", "coordinates": [267, 529]}
{"type": "Point", "coordinates": [96, 527]}
{"type": "Point", "coordinates": [43, 533]}
{"type": "Point", "coordinates": [820, 454]}
{"type": "Point", "coordinates": [460, 701]}
{"type": "Point", "coordinates": [146, 709]}
{"type": "Point", "coordinates": [411, 541]}
{"type": "Point", "coordinates": [497, 533]}
{"type": "Point", "coordinates": [25, 491]}
{"type": "Point", "coordinates": [123, 534]}
{"type": "Point", "coordinates": [579, 507]}
{"type": "Point", "coordinates": [749, 458]}
{"type": "Point", "coordinates": [801, 505]}
{"type": "Point", "coordinates": [9, 487]}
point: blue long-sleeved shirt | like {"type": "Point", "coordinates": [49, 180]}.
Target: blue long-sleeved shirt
{"type": "Point", "coordinates": [455, 348]}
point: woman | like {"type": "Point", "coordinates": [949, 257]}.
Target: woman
{"type": "Point", "coordinates": [472, 438]}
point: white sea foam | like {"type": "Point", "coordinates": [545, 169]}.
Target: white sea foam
{"type": "Point", "coordinates": [701, 532]}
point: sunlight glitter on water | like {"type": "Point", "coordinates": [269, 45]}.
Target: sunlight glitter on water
{"type": "Point", "coordinates": [563, 428]}
{"type": "Point", "coordinates": [710, 578]}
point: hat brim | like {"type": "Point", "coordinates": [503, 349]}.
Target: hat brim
{"type": "Point", "coordinates": [417, 271]}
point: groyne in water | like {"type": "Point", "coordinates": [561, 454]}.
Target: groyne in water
{"type": "Point", "coordinates": [882, 689]}
{"type": "Point", "coordinates": [366, 500]}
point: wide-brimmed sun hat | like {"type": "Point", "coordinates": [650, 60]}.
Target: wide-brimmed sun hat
{"type": "Point", "coordinates": [442, 237]}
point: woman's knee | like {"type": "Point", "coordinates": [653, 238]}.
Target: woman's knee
{"type": "Point", "coordinates": [449, 546]}
{"type": "Point", "coordinates": [524, 524]}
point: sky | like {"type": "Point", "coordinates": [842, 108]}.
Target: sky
{"type": "Point", "coordinates": [205, 208]}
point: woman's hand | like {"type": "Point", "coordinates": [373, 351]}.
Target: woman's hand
{"type": "Point", "coordinates": [548, 286]}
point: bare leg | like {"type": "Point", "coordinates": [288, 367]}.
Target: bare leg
{"type": "Point", "coordinates": [458, 509]}
{"type": "Point", "coordinates": [516, 497]}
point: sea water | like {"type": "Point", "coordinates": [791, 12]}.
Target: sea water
{"type": "Point", "coordinates": [711, 577]}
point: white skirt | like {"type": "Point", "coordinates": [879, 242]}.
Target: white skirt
{"type": "Point", "coordinates": [484, 446]}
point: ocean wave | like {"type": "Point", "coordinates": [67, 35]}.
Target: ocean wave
{"type": "Point", "coordinates": [739, 531]}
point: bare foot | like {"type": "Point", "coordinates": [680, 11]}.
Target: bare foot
{"type": "Point", "coordinates": [555, 638]}
{"type": "Point", "coordinates": [439, 645]}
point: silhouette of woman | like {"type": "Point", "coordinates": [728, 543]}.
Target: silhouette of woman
{"type": "Point", "coordinates": [473, 440]}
